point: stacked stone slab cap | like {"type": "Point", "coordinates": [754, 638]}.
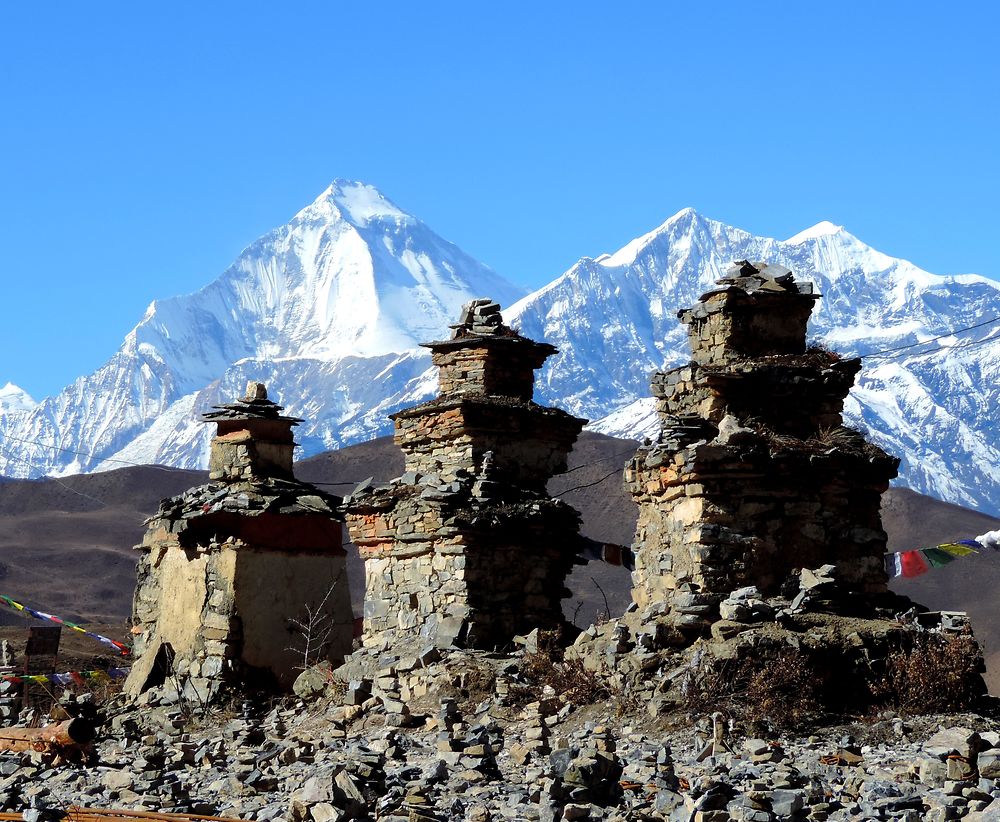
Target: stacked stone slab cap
{"type": "Point", "coordinates": [742, 317]}
{"type": "Point", "coordinates": [753, 476]}
{"type": "Point", "coordinates": [484, 356]}
{"type": "Point", "coordinates": [467, 548]}
{"type": "Point", "coordinates": [484, 412]}
{"type": "Point", "coordinates": [228, 568]}
{"type": "Point", "coordinates": [253, 438]}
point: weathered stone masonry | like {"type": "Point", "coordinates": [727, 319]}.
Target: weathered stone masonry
{"type": "Point", "coordinates": [467, 548]}
{"type": "Point", "coordinates": [225, 566]}
{"type": "Point", "coordinates": [753, 477]}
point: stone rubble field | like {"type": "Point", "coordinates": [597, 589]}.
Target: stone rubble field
{"type": "Point", "coordinates": [325, 761]}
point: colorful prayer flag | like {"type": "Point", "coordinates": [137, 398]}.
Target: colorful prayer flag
{"type": "Point", "coordinates": [912, 564]}
{"type": "Point", "coordinates": [124, 649]}
{"type": "Point", "coordinates": [936, 557]}
{"type": "Point", "coordinates": [955, 549]}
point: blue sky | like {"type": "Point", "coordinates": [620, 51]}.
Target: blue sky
{"type": "Point", "coordinates": [144, 145]}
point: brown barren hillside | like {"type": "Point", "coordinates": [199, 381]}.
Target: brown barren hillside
{"type": "Point", "coordinates": [66, 545]}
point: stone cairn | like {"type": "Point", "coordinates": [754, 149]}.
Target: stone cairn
{"type": "Point", "coordinates": [467, 548]}
{"type": "Point", "coordinates": [241, 581]}
{"type": "Point", "coordinates": [753, 477]}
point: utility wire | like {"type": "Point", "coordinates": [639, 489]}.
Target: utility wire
{"type": "Point", "coordinates": [885, 352]}
{"type": "Point", "coordinates": [619, 455]}
{"type": "Point", "coordinates": [57, 481]}
{"type": "Point", "coordinates": [89, 454]}
{"type": "Point", "coordinates": [27, 462]}
{"type": "Point", "coordinates": [588, 484]}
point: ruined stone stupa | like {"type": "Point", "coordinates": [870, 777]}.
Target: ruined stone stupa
{"type": "Point", "coordinates": [467, 548]}
{"type": "Point", "coordinates": [226, 567]}
{"type": "Point", "coordinates": [753, 477]}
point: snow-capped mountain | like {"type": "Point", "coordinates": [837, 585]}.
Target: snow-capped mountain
{"type": "Point", "coordinates": [328, 311]}
{"type": "Point", "coordinates": [614, 321]}
{"type": "Point", "coordinates": [15, 398]}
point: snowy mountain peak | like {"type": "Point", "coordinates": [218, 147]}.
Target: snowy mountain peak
{"type": "Point", "coordinates": [821, 229]}
{"type": "Point", "coordinates": [318, 307]}
{"type": "Point", "coordinates": [15, 398]}
{"type": "Point", "coordinates": [614, 321]}
{"type": "Point", "coordinates": [329, 308]}
{"type": "Point", "coordinates": [358, 203]}
{"type": "Point", "coordinates": [680, 223]}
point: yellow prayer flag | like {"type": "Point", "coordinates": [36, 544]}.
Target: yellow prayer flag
{"type": "Point", "coordinates": [957, 550]}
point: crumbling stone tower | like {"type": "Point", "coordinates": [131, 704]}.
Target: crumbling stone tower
{"type": "Point", "coordinates": [752, 476]}
{"type": "Point", "coordinates": [467, 548]}
{"type": "Point", "coordinates": [225, 566]}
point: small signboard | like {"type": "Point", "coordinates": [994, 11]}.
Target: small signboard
{"type": "Point", "coordinates": [43, 641]}
{"type": "Point", "coordinates": [41, 652]}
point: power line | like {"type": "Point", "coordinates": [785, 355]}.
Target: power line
{"type": "Point", "coordinates": [90, 454]}
{"type": "Point", "coordinates": [619, 455]}
{"type": "Point", "coordinates": [57, 481]}
{"type": "Point", "coordinates": [888, 351]}
{"type": "Point", "coordinates": [589, 484]}
{"type": "Point", "coordinates": [27, 462]}
{"type": "Point", "coordinates": [948, 348]}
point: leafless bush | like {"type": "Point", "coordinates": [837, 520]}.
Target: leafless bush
{"type": "Point", "coordinates": [775, 690]}
{"type": "Point", "coordinates": [839, 437]}
{"type": "Point", "coordinates": [547, 667]}
{"type": "Point", "coordinates": [314, 628]}
{"type": "Point", "coordinates": [566, 677]}
{"type": "Point", "coordinates": [939, 673]}
{"type": "Point", "coordinates": [821, 354]}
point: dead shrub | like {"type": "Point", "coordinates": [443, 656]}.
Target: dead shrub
{"type": "Point", "coordinates": [476, 682]}
{"type": "Point", "coordinates": [821, 354]}
{"type": "Point", "coordinates": [548, 667]}
{"type": "Point", "coordinates": [567, 677]}
{"type": "Point", "coordinates": [778, 689]}
{"type": "Point", "coordinates": [937, 674]}
{"type": "Point", "coordinates": [783, 692]}
{"type": "Point", "coordinates": [846, 439]}
{"type": "Point", "coordinates": [839, 436]}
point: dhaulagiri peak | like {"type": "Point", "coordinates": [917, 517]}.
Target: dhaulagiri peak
{"type": "Point", "coordinates": [358, 203]}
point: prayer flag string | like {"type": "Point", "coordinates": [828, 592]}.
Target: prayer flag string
{"type": "Point", "coordinates": [17, 606]}
{"type": "Point", "coordinates": [919, 561]}
{"type": "Point", "coordinates": [70, 677]}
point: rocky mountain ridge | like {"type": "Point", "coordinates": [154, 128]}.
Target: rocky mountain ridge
{"type": "Point", "coordinates": [613, 319]}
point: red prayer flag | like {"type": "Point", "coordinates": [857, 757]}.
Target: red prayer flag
{"type": "Point", "coordinates": [913, 564]}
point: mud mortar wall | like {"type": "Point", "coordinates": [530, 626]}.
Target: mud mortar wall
{"type": "Point", "coordinates": [477, 370]}
{"type": "Point", "coordinates": [239, 456]}
{"type": "Point", "coordinates": [729, 325]}
{"type": "Point", "coordinates": [799, 400]}
{"type": "Point", "coordinates": [224, 608]}
{"type": "Point", "coordinates": [529, 443]}
{"type": "Point", "coordinates": [271, 588]}
{"type": "Point", "coordinates": [721, 517]}
{"type": "Point", "coordinates": [462, 574]}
